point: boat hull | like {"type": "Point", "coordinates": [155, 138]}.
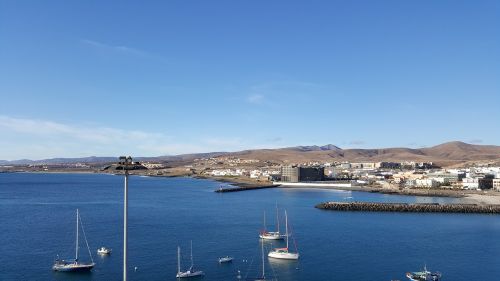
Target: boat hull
{"type": "Point", "coordinates": [423, 276]}
{"type": "Point", "coordinates": [271, 237]}
{"type": "Point", "coordinates": [283, 255]}
{"type": "Point", "coordinates": [80, 267]}
{"type": "Point", "coordinates": [189, 274]}
{"type": "Point", "coordinates": [225, 260]}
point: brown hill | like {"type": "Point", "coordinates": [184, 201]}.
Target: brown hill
{"type": "Point", "coordinates": [446, 154]}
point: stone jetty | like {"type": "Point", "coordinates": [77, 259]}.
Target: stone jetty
{"type": "Point", "coordinates": [243, 188]}
{"type": "Point", "coordinates": [413, 208]}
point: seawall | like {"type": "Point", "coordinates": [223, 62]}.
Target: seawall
{"type": "Point", "coordinates": [243, 188]}
{"type": "Point", "coordinates": [410, 208]}
{"type": "Point", "coordinates": [313, 184]}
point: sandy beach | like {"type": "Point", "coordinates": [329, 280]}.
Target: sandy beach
{"type": "Point", "coordinates": [492, 198]}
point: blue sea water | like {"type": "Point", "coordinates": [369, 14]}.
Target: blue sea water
{"type": "Point", "coordinates": [37, 222]}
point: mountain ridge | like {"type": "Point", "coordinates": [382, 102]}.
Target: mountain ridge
{"type": "Point", "coordinates": [446, 153]}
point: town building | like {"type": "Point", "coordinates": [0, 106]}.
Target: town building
{"type": "Point", "coordinates": [470, 183]}
{"type": "Point", "coordinates": [290, 174]}
{"type": "Point", "coordinates": [387, 165]}
{"type": "Point", "coordinates": [311, 173]}
{"type": "Point", "coordinates": [496, 184]}
{"type": "Point", "coordinates": [427, 183]}
{"type": "Point", "coordinates": [485, 183]}
{"type": "Point", "coordinates": [302, 174]}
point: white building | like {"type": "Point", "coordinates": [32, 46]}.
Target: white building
{"type": "Point", "coordinates": [427, 183]}
{"type": "Point", "coordinates": [470, 183]}
{"type": "Point", "coordinates": [496, 184]}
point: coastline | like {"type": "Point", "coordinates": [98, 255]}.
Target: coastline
{"type": "Point", "coordinates": [468, 196]}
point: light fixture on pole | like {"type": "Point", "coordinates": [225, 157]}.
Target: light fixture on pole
{"type": "Point", "coordinates": [125, 164]}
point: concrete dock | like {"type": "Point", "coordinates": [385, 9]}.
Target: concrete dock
{"type": "Point", "coordinates": [243, 188]}
{"type": "Point", "coordinates": [407, 208]}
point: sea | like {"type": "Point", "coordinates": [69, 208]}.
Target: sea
{"type": "Point", "coordinates": [38, 224]}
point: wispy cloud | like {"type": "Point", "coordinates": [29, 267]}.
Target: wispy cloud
{"type": "Point", "coordinates": [255, 98]}
{"type": "Point", "coordinates": [356, 142]}
{"type": "Point", "coordinates": [269, 93]}
{"type": "Point", "coordinates": [275, 139]}
{"type": "Point", "coordinates": [39, 139]}
{"type": "Point", "coordinates": [100, 135]}
{"type": "Point", "coordinates": [36, 139]}
{"type": "Point", "coordinates": [476, 141]}
{"type": "Point", "coordinates": [122, 49]}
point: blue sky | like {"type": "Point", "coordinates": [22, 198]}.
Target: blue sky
{"type": "Point", "coordinates": [167, 77]}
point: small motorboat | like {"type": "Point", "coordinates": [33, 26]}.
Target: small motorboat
{"type": "Point", "coordinates": [225, 259]}
{"type": "Point", "coordinates": [103, 251]}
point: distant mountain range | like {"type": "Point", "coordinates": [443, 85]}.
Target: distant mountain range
{"type": "Point", "coordinates": [445, 154]}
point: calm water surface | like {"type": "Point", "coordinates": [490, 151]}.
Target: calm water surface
{"type": "Point", "coordinates": [37, 216]}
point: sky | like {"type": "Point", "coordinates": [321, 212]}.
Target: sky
{"type": "Point", "coordinates": [150, 78]}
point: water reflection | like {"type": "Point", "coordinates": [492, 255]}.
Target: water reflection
{"type": "Point", "coordinates": [287, 268]}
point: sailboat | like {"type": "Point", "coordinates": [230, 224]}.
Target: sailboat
{"type": "Point", "coordinates": [424, 275]}
{"type": "Point", "coordinates": [284, 253]}
{"type": "Point", "coordinates": [272, 235]}
{"type": "Point", "coordinates": [75, 265]}
{"type": "Point", "coordinates": [190, 272]}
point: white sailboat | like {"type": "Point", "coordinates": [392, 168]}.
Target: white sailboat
{"type": "Point", "coordinates": [190, 272]}
{"type": "Point", "coordinates": [284, 253]}
{"type": "Point", "coordinates": [75, 265]}
{"type": "Point", "coordinates": [272, 235]}
{"type": "Point", "coordinates": [424, 275]}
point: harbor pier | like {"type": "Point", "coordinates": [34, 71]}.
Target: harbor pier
{"type": "Point", "coordinates": [410, 208]}
{"type": "Point", "coordinates": [243, 188]}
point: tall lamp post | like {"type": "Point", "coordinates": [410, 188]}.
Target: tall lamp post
{"type": "Point", "coordinates": [126, 164]}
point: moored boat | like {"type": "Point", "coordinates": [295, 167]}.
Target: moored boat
{"type": "Point", "coordinates": [225, 259]}
{"type": "Point", "coordinates": [104, 251]}
{"type": "Point", "coordinates": [75, 265]}
{"type": "Point", "coordinates": [191, 272]}
{"type": "Point", "coordinates": [284, 253]}
{"type": "Point", "coordinates": [424, 275]}
{"type": "Point", "coordinates": [272, 235]}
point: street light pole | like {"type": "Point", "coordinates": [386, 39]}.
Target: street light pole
{"type": "Point", "coordinates": [125, 219]}
{"type": "Point", "coordinates": [125, 163]}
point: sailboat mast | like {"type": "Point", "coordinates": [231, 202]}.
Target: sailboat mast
{"type": "Point", "coordinates": [77, 223]}
{"type": "Point", "coordinates": [286, 227]}
{"type": "Point", "coordinates": [277, 219]}
{"type": "Point", "coordinates": [178, 259]}
{"type": "Point", "coordinates": [263, 267]}
{"type": "Point", "coordinates": [265, 228]}
{"type": "Point", "coordinates": [191, 253]}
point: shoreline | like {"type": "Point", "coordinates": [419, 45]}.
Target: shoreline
{"type": "Point", "coordinates": [469, 197]}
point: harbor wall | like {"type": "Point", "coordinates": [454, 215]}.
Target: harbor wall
{"type": "Point", "coordinates": [413, 208]}
{"type": "Point", "coordinates": [242, 188]}
{"type": "Point", "coordinates": [312, 184]}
